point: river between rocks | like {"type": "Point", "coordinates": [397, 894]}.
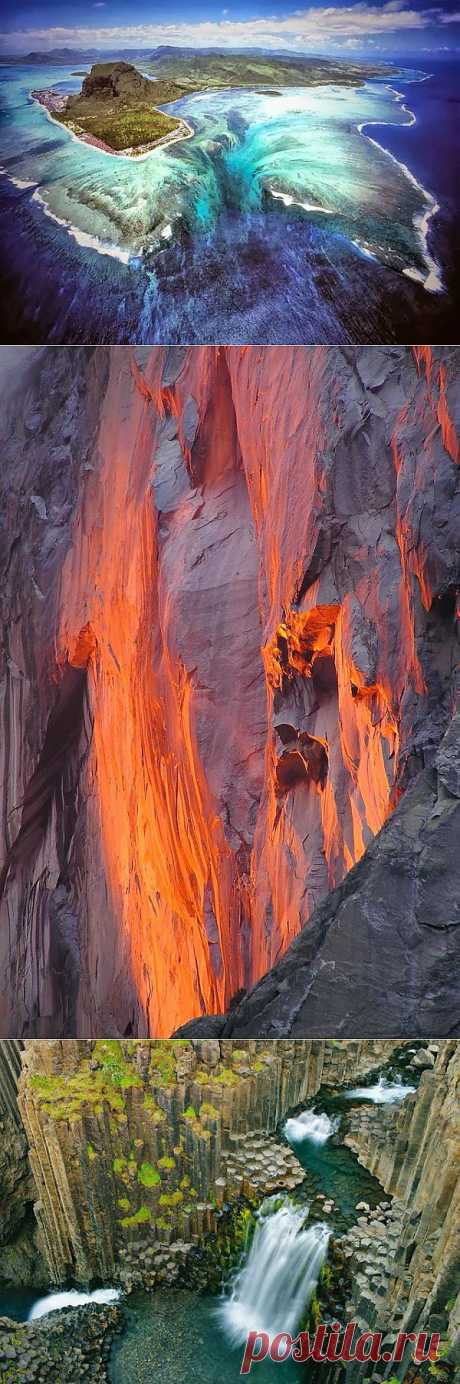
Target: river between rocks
{"type": "Point", "coordinates": [176, 1334]}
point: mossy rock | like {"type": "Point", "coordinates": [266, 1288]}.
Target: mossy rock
{"type": "Point", "coordinates": [157, 1114]}
{"type": "Point", "coordinates": [148, 1175]}
{"type": "Point", "coordinates": [163, 1063]}
{"type": "Point", "coordinates": [63, 1097]}
{"type": "Point", "coordinates": [171, 1198]}
{"type": "Point", "coordinates": [140, 1217]}
{"type": "Point", "coordinates": [227, 1077]}
{"type": "Point", "coordinates": [119, 1165]}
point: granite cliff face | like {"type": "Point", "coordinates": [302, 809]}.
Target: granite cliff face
{"type": "Point", "coordinates": [229, 581]}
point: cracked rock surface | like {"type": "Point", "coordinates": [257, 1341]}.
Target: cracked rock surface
{"type": "Point", "coordinates": [229, 585]}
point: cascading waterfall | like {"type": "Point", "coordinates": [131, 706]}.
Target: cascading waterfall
{"type": "Point", "coordinates": [276, 1281]}
{"type": "Point", "coordinates": [54, 1302]}
{"type": "Point", "coordinates": [310, 1125]}
{"type": "Point", "coordinates": [383, 1093]}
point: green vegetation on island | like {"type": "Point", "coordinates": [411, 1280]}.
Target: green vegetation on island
{"type": "Point", "coordinates": [193, 70]}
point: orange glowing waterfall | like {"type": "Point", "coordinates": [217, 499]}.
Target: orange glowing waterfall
{"type": "Point", "coordinates": [163, 845]}
{"type": "Point", "coordinates": [247, 589]}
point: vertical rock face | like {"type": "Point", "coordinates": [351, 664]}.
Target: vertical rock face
{"type": "Point", "coordinates": [10, 1067]}
{"type": "Point", "coordinates": [414, 1153]}
{"type": "Point", "coordinates": [229, 608]}
{"type": "Point", "coordinates": [18, 1260]}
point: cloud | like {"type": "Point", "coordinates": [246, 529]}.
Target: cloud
{"type": "Point", "coordinates": [306, 29]}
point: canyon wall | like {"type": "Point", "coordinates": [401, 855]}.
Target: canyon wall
{"type": "Point", "coordinates": [406, 1265]}
{"type": "Point", "coordinates": [229, 583]}
{"type": "Point", "coordinates": [19, 1258]}
{"type": "Point", "coordinates": [136, 1146]}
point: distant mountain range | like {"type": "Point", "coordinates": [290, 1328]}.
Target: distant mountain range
{"type": "Point", "coordinates": [65, 56]}
{"type": "Point", "coordinates": [75, 56]}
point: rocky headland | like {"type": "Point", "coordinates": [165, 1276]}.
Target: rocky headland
{"type": "Point", "coordinates": [117, 111]}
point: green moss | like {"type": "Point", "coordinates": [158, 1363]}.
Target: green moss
{"type": "Point", "coordinates": [258, 1066]}
{"type": "Point", "coordinates": [163, 1062]}
{"type": "Point", "coordinates": [157, 1114]}
{"type": "Point", "coordinates": [109, 1053]}
{"type": "Point", "coordinates": [227, 1078]}
{"type": "Point", "coordinates": [184, 1182]}
{"type": "Point", "coordinates": [44, 1085]}
{"type": "Point", "coordinates": [171, 1198]}
{"type": "Point", "coordinates": [139, 1217]}
{"type": "Point", "coordinates": [91, 1153]}
{"type": "Point", "coordinates": [190, 1113]}
{"type": "Point", "coordinates": [166, 1162]}
{"type": "Point", "coordinates": [119, 1165]}
{"type": "Point", "coordinates": [148, 1175]}
{"type": "Point", "coordinates": [315, 1311]}
{"type": "Point", "coordinates": [123, 1203]}
{"type": "Point", "coordinates": [64, 1096]}
{"type": "Point", "coordinates": [207, 1109]}
{"type": "Point", "coordinates": [239, 1055]}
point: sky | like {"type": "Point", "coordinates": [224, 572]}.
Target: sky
{"type": "Point", "coordinates": [344, 28]}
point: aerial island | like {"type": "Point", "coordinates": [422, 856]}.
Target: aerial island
{"type": "Point", "coordinates": [118, 108]}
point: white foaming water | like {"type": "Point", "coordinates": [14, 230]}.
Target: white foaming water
{"type": "Point", "coordinates": [432, 281]}
{"type": "Point", "coordinates": [17, 182]}
{"type": "Point", "coordinates": [55, 1301]}
{"type": "Point", "coordinates": [274, 1285]}
{"type": "Point", "coordinates": [309, 1125]}
{"type": "Point", "coordinates": [383, 1093]}
{"type": "Point", "coordinates": [89, 242]}
{"type": "Point", "coordinates": [307, 206]}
